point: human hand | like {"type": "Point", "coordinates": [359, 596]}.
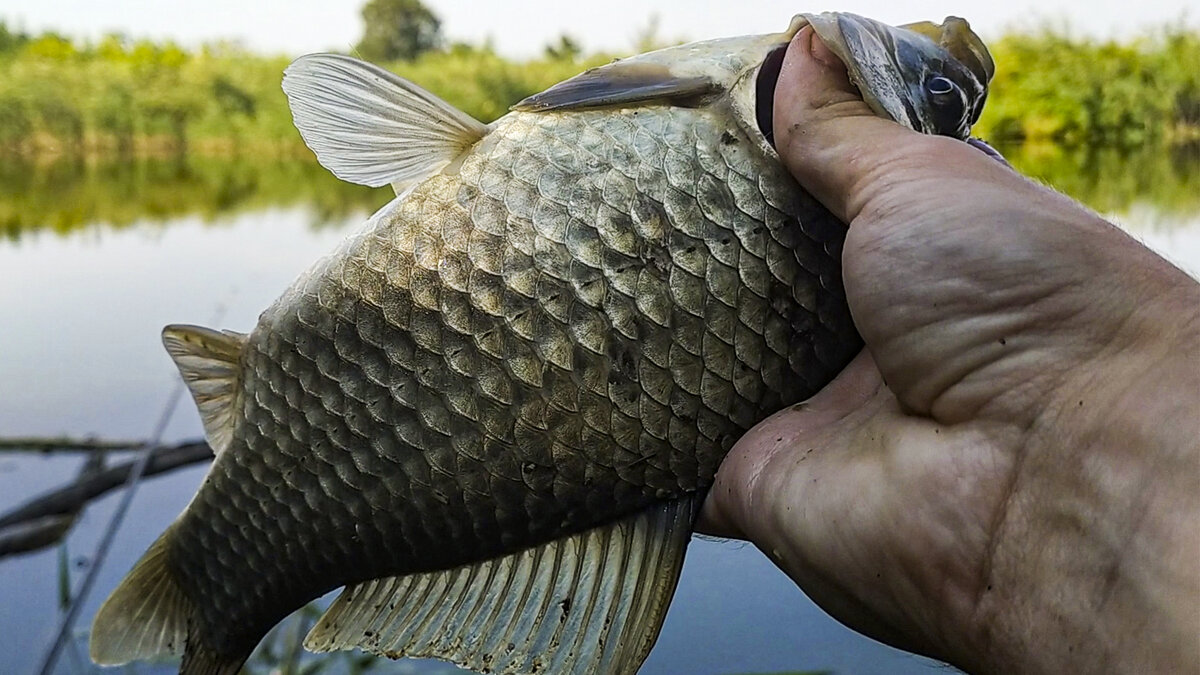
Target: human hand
{"type": "Point", "coordinates": [1008, 478]}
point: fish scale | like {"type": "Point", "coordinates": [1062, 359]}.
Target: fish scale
{"type": "Point", "coordinates": [492, 413]}
{"type": "Point", "coordinates": [703, 385]}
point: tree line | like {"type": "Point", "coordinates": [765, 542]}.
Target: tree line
{"type": "Point", "coordinates": [119, 95]}
{"type": "Point", "coordinates": [63, 96]}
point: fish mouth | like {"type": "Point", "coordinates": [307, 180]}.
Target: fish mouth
{"type": "Point", "coordinates": [892, 67]}
{"type": "Point", "coordinates": [764, 85]}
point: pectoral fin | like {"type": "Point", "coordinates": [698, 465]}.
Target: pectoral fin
{"type": "Point", "coordinates": [621, 83]}
{"type": "Point", "coordinates": [590, 603]}
{"type": "Point", "coordinates": [371, 127]}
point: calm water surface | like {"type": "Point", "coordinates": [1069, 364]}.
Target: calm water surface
{"type": "Point", "coordinates": [95, 259]}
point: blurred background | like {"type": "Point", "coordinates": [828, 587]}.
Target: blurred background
{"type": "Point", "coordinates": [150, 174]}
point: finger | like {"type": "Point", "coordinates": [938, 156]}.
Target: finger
{"type": "Point", "coordinates": [836, 147]}
{"type": "Point", "coordinates": [735, 504]}
{"type": "Point", "coordinates": [817, 115]}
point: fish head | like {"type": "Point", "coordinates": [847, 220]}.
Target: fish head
{"type": "Point", "coordinates": [930, 77]}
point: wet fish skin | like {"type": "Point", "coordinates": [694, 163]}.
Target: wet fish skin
{"type": "Point", "coordinates": [579, 323]}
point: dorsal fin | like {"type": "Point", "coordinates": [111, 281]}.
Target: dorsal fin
{"type": "Point", "coordinates": [591, 603]}
{"type": "Point", "coordinates": [210, 363]}
{"type": "Point", "coordinates": [624, 82]}
{"type": "Point", "coordinates": [371, 127]}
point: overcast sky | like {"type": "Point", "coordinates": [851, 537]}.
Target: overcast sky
{"type": "Point", "coordinates": [523, 28]}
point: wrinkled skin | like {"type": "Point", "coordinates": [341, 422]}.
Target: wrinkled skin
{"type": "Point", "coordinates": [1008, 477]}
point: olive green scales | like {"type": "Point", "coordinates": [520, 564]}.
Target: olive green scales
{"type": "Point", "coordinates": [492, 412]}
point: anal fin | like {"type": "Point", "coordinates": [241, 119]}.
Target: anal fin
{"type": "Point", "coordinates": [590, 603]}
{"type": "Point", "coordinates": [211, 365]}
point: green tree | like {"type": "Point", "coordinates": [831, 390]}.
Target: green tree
{"type": "Point", "coordinates": [10, 40]}
{"type": "Point", "coordinates": [398, 30]}
{"type": "Point", "coordinates": [566, 49]}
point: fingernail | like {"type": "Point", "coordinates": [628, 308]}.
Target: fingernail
{"type": "Point", "coordinates": [821, 53]}
{"type": "Point", "coordinates": [988, 150]}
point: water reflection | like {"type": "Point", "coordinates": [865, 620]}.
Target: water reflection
{"type": "Point", "coordinates": [67, 194]}
{"type": "Point", "coordinates": [1164, 178]}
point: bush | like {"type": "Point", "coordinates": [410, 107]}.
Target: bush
{"type": "Point", "coordinates": [1049, 87]}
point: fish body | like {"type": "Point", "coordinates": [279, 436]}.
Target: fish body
{"type": "Point", "coordinates": [491, 414]}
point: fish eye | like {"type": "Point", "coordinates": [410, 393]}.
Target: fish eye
{"type": "Point", "coordinates": [939, 86]}
{"type": "Point", "coordinates": [947, 104]}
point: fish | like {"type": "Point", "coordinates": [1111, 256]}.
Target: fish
{"type": "Point", "coordinates": [491, 415]}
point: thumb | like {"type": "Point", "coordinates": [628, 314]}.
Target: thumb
{"type": "Point", "coordinates": [736, 503]}
{"type": "Point", "coordinates": [830, 139]}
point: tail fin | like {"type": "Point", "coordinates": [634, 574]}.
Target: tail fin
{"type": "Point", "coordinates": [200, 661]}
{"type": "Point", "coordinates": [146, 617]}
{"type": "Point", "coordinates": [149, 616]}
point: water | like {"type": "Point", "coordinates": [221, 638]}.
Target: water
{"type": "Point", "coordinates": [96, 258]}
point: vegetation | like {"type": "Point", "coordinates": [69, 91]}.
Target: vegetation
{"type": "Point", "coordinates": [63, 96]}
{"type": "Point", "coordinates": [97, 132]}
{"type": "Point", "coordinates": [398, 30]}
{"type": "Point", "coordinates": [1154, 179]}
{"type": "Point", "coordinates": [1052, 87]}
{"type": "Point", "coordinates": [59, 96]}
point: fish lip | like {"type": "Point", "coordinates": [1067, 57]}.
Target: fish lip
{"type": "Point", "coordinates": [867, 46]}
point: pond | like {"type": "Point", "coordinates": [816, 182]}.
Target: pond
{"type": "Point", "coordinates": [95, 257]}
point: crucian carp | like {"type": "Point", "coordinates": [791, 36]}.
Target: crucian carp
{"type": "Point", "coordinates": [492, 413]}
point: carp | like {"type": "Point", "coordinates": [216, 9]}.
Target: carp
{"type": "Point", "coordinates": [492, 413]}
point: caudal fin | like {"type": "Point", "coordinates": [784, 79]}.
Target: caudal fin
{"type": "Point", "coordinates": [146, 617]}
{"type": "Point", "coordinates": [149, 616]}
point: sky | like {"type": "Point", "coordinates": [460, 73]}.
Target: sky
{"type": "Point", "coordinates": [520, 29]}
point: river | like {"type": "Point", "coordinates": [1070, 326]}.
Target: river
{"type": "Point", "coordinates": [95, 257]}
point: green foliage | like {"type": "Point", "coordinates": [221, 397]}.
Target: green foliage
{"type": "Point", "coordinates": [15, 122]}
{"type": "Point", "coordinates": [1052, 87]}
{"type": "Point", "coordinates": [139, 97]}
{"type": "Point", "coordinates": [10, 41]}
{"type": "Point", "coordinates": [566, 49]}
{"type": "Point", "coordinates": [398, 30]}
{"type": "Point", "coordinates": [483, 84]}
